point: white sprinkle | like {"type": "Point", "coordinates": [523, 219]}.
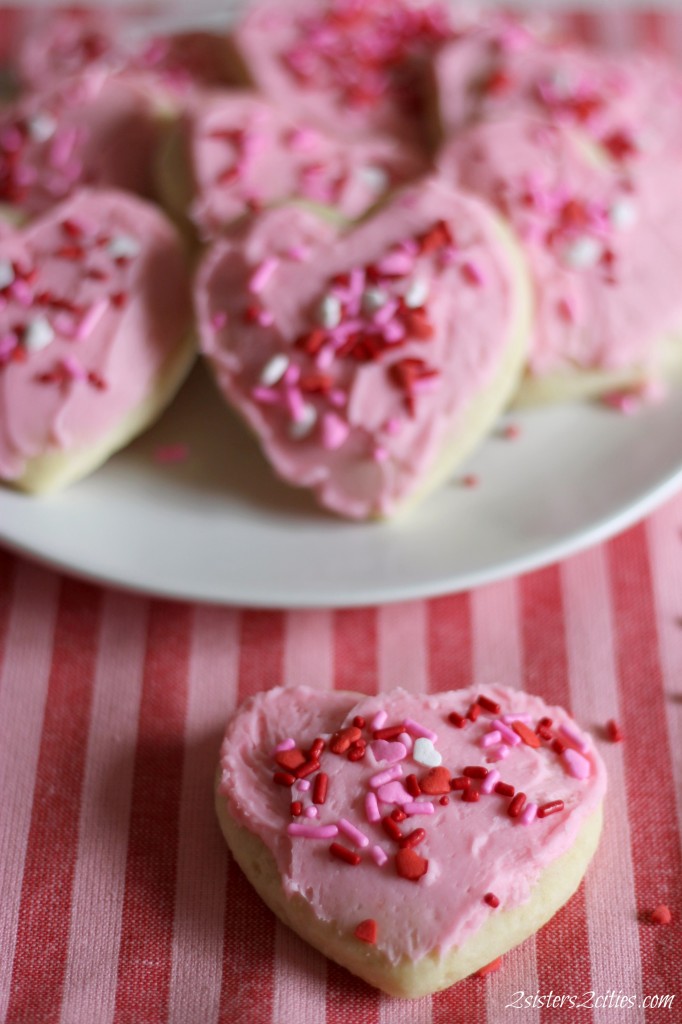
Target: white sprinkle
{"type": "Point", "coordinates": [41, 127]}
{"type": "Point", "coordinates": [123, 247]}
{"type": "Point", "coordinates": [425, 753]}
{"type": "Point", "coordinates": [623, 214]}
{"type": "Point", "coordinates": [38, 335]}
{"type": "Point", "coordinates": [6, 273]}
{"type": "Point", "coordinates": [304, 424]}
{"type": "Point", "coordinates": [375, 177]}
{"type": "Point", "coordinates": [585, 252]}
{"type": "Point", "coordinates": [373, 299]}
{"type": "Point", "coordinates": [329, 312]}
{"type": "Point", "coordinates": [417, 293]}
{"type": "Point", "coordinates": [274, 370]}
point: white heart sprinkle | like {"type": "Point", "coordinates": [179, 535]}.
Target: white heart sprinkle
{"type": "Point", "coordinates": [123, 247]}
{"type": "Point", "coordinates": [417, 293]}
{"type": "Point", "coordinates": [274, 370]}
{"type": "Point", "coordinates": [425, 753]}
{"type": "Point", "coordinates": [6, 273]}
{"type": "Point", "coordinates": [583, 253]}
{"type": "Point", "coordinates": [38, 334]}
{"type": "Point", "coordinates": [623, 214]}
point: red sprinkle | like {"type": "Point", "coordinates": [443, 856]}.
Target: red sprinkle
{"type": "Point", "coordinates": [398, 814]}
{"type": "Point", "coordinates": [366, 931]}
{"type": "Point", "coordinates": [341, 741]}
{"type": "Point", "coordinates": [475, 771]}
{"type": "Point", "coordinates": [471, 796]}
{"type": "Point", "coordinates": [489, 705]}
{"type": "Point", "coordinates": [516, 805]}
{"type": "Point", "coordinates": [290, 760]}
{"type": "Point", "coordinates": [544, 732]}
{"type": "Point", "coordinates": [558, 747]}
{"type": "Point", "coordinates": [307, 769]}
{"type": "Point", "coordinates": [359, 722]}
{"type": "Point", "coordinates": [284, 778]}
{"type": "Point", "coordinates": [357, 750]}
{"type": "Point", "coordinates": [444, 801]}
{"type": "Point", "coordinates": [530, 738]}
{"type": "Point", "coordinates": [473, 712]}
{"type": "Point", "coordinates": [614, 731]}
{"type": "Point", "coordinates": [296, 808]}
{"type": "Point", "coordinates": [661, 915]}
{"type": "Point", "coordinates": [545, 723]}
{"type": "Point", "coordinates": [320, 788]}
{"type": "Point", "coordinates": [553, 807]}
{"type": "Point", "coordinates": [504, 788]}
{"type": "Point", "coordinates": [343, 853]}
{"type": "Point", "coordinates": [391, 829]}
{"type": "Point", "coordinates": [412, 785]}
{"type": "Point", "coordinates": [316, 749]}
{"type": "Point", "coordinates": [410, 865]}
{"type": "Point", "coordinates": [491, 899]}
{"type": "Point", "coordinates": [436, 782]}
{"type": "Point", "coordinates": [413, 838]}
{"type": "Point", "coordinates": [390, 733]}
{"type": "Point", "coordinates": [459, 783]}
{"type": "Point", "coordinates": [490, 968]}
{"type": "Point", "coordinates": [459, 721]}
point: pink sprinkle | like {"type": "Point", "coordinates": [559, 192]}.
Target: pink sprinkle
{"type": "Point", "coordinates": [294, 828]}
{"type": "Point", "coordinates": [397, 264]}
{"type": "Point", "coordinates": [298, 253]}
{"type": "Point", "coordinates": [567, 309]}
{"type": "Point", "coordinates": [337, 397]}
{"type": "Point", "coordinates": [265, 318]}
{"type": "Point", "coordinates": [416, 729]}
{"type": "Point", "coordinates": [574, 737]}
{"type": "Point", "coordinates": [380, 454]}
{"type": "Point", "coordinates": [378, 721]}
{"type": "Point", "coordinates": [490, 781]}
{"type": "Point", "coordinates": [168, 454]}
{"type": "Point", "coordinates": [385, 313]}
{"type": "Point", "coordinates": [74, 368]}
{"type": "Point", "coordinates": [395, 772]}
{"type": "Point", "coordinates": [268, 396]}
{"type": "Point", "coordinates": [310, 812]}
{"type": "Point", "coordinates": [335, 431]}
{"type": "Point", "coordinates": [393, 793]}
{"type": "Point", "coordinates": [529, 814]}
{"type": "Point", "coordinates": [406, 741]}
{"type": "Point", "coordinates": [22, 292]}
{"type": "Point", "coordinates": [508, 735]}
{"type": "Point", "coordinates": [576, 765]}
{"type": "Point", "coordinates": [218, 320]}
{"type": "Point", "coordinates": [497, 754]}
{"type": "Point", "coordinates": [356, 837]}
{"type": "Point", "coordinates": [393, 426]}
{"type": "Point", "coordinates": [419, 807]}
{"type": "Point", "coordinates": [372, 812]}
{"type": "Point", "coordinates": [491, 738]}
{"type": "Point", "coordinates": [473, 274]}
{"type": "Point", "coordinates": [378, 855]}
{"type": "Point", "coordinates": [386, 750]}
{"type": "Point", "coordinates": [303, 785]}
{"type": "Point", "coordinates": [263, 274]}
{"type": "Point", "coordinates": [287, 744]}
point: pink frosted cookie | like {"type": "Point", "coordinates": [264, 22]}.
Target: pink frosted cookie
{"type": "Point", "coordinates": [95, 334]}
{"type": "Point", "coordinates": [90, 129]}
{"type": "Point", "coordinates": [628, 105]}
{"type": "Point", "coordinates": [604, 247]}
{"type": "Point", "coordinates": [411, 838]}
{"type": "Point", "coordinates": [368, 361]}
{"type": "Point", "coordinates": [237, 153]}
{"type": "Point", "coordinates": [185, 61]}
{"type": "Point", "coordinates": [352, 67]}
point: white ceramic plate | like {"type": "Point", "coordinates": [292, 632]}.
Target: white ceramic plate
{"type": "Point", "coordinates": [217, 527]}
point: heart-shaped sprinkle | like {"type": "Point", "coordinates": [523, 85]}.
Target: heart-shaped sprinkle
{"type": "Point", "coordinates": [410, 865]}
{"type": "Point", "coordinates": [366, 931]}
{"type": "Point", "coordinates": [436, 782]}
{"type": "Point", "coordinates": [385, 750]}
{"type": "Point", "coordinates": [425, 753]}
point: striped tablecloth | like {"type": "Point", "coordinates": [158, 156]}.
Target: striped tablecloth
{"type": "Point", "coordinates": [118, 900]}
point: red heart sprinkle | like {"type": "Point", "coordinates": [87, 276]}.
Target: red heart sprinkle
{"type": "Point", "coordinates": [290, 759]}
{"type": "Point", "coordinates": [409, 864]}
{"type": "Point", "coordinates": [366, 931]}
{"type": "Point", "coordinates": [436, 782]}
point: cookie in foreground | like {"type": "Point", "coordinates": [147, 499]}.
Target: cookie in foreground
{"type": "Point", "coordinates": [411, 838]}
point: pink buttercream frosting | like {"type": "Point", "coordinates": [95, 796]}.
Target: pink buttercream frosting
{"type": "Point", "coordinates": [355, 355]}
{"type": "Point", "coordinates": [244, 153]}
{"type": "Point", "coordinates": [94, 300]}
{"type": "Point", "coordinates": [471, 848]}
{"type": "Point", "coordinates": [351, 67]}
{"type": "Point", "coordinates": [89, 129]}
{"type": "Point", "coordinates": [604, 243]}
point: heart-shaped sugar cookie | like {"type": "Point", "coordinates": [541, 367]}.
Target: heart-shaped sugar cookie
{"type": "Point", "coordinates": [411, 877]}
{"type": "Point", "coordinates": [369, 360]}
{"type": "Point", "coordinates": [95, 334]}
